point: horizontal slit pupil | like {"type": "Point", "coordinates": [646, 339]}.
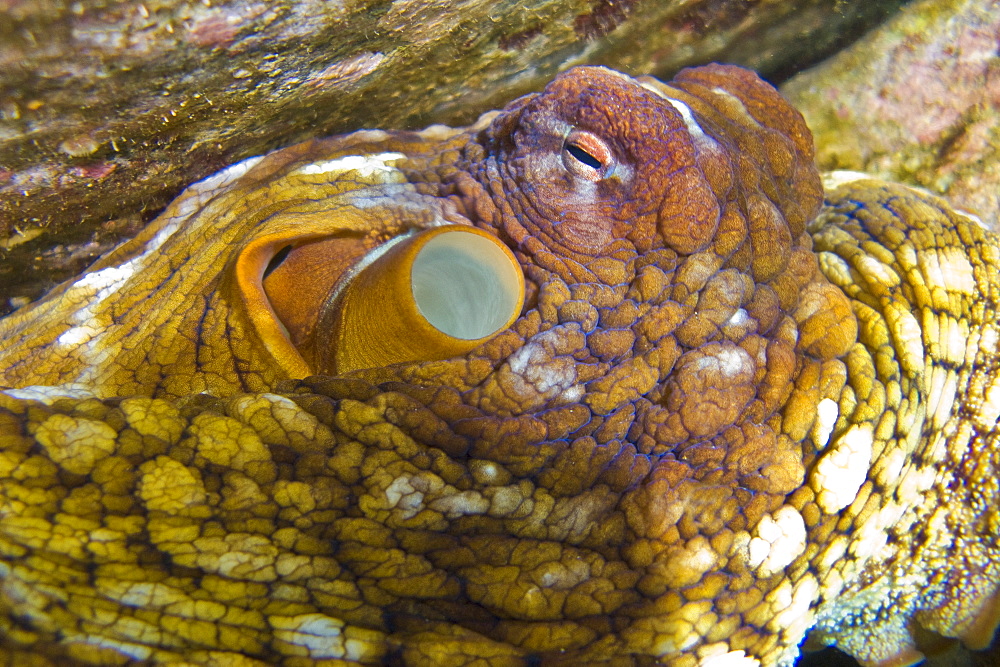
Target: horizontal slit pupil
{"type": "Point", "coordinates": [276, 261]}
{"type": "Point", "coordinates": [583, 156]}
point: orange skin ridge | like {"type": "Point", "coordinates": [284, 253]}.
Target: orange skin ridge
{"type": "Point", "coordinates": [734, 410]}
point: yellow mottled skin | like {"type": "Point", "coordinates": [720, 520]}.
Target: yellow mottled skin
{"type": "Point", "coordinates": [723, 420]}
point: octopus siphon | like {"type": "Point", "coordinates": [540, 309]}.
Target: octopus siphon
{"type": "Point", "coordinates": [670, 397]}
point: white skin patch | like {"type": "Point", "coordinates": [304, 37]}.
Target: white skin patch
{"type": "Point", "coordinates": [870, 538]}
{"type": "Point", "coordinates": [365, 165]}
{"type": "Point", "coordinates": [948, 338]}
{"type": "Point", "coordinates": [908, 336]}
{"type": "Point", "coordinates": [839, 475]}
{"type": "Point", "coordinates": [948, 267]}
{"type": "Point", "coordinates": [403, 495]}
{"type": "Point", "coordinates": [729, 362]}
{"type": "Point", "coordinates": [134, 651]}
{"type": "Point", "coordinates": [143, 594]}
{"type": "Point", "coordinates": [834, 179]}
{"type": "Point", "coordinates": [729, 659]}
{"type": "Point", "coordinates": [989, 337]}
{"type": "Point", "coordinates": [915, 482]}
{"type": "Point", "coordinates": [194, 198]}
{"type": "Point", "coordinates": [320, 635]}
{"type": "Point", "coordinates": [693, 128]}
{"type": "Point", "coordinates": [229, 174]}
{"type": "Point", "coordinates": [941, 398]}
{"type": "Point", "coordinates": [877, 272]}
{"type": "Point", "coordinates": [890, 466]}
{"type": "Point", "coordinates": [778, 540]}
{"type": "Point", "coordinates": [698, 135]}
{"type": "Point", "coordinates": [989, 411]}
{"type": "Point", "coordinates": [738, 318]}
{"type": "Point", "coordinates": [546, 377]}
{"type": "Point", "coordinates": [796, 618]}
{"type": "Point", "coordinates": [454, 505]}
{"type": "Point", "coordinates": [827, 413]}
{"type": "Point", "coordinates": [47, 395]}
{"type": "Point", "coordinates": [77, 336]}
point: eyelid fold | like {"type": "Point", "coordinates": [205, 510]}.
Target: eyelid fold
{"type": "Point", "coordinates": [588, 156]}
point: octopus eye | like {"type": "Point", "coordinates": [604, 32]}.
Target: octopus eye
{"type": "Point", "coordinates": [337, 304]}
{"type": "Point", "coordinates": [587, 155]}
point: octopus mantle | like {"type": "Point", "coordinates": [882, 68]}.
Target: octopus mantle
{"type": "Point", "coordinates": [730, 413]}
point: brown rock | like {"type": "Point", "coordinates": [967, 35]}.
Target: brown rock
{"type": "Point", "coordinates": [915, 102]}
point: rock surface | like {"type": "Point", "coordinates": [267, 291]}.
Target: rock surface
{"type": "Point", "coordinates": [915, 102]}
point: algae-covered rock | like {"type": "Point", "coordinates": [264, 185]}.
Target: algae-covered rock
{"type": "Point", "coordinates": [915, 102]}
{"type": "Point", "coordinates": [107, 110]}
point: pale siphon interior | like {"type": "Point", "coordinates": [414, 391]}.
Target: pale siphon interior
{"type": "Point", "coordinates": [464, 285]}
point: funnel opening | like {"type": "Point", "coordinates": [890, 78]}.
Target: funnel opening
{"type": "Point", "coordinates": [465, 285]}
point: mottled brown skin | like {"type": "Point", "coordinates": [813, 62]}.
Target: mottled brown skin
{"type": "Point", "coordinates": [729, 412]}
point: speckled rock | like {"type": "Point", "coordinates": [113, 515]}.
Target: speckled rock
{"type": "Point", "coordinates": [915, 102]}
{"type": "Point", "coordinates": [107, 110]}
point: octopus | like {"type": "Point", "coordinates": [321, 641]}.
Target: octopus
{"type": "Point", "coordinates": [738, 406]}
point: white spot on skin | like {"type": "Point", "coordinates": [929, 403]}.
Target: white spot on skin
{"type": "Point", "coordinates": [989, 338]}
{"type": "Point", "coordinates": [134, 651]}
{"type": "Point", "coordinates": [948, 267]}
{"type": "Point", "coordinates": [693, 128]}
{"type": "Point", "coordinates": [142, 594]}
{"type": "Point", "coordinates": [402, 494]}
{"type": "Point", "coordinates": [738, 318]}
{"type": "Point", "coordinates": [778, 540]}
{"type": "Point", "coordinates": [730, 362]}
{"type": "Point", "coordinates": [839, 475]}
{"type": "Point", "coordinates": [827, 413]}
{"type": "Point", "coordinates": [795, 619]}
{"type": "Point", "coordinates": [698, 136]}
{"type": "Point", "coordinates": [730, 659]}
{"type": "Point", "coordinates": [320, 635]}
{"type": "Point", "coordinates": [77, 336]}
{"type": "Point", "coordinates": [890, 466]}
{"type": "Point", "coordinates": [194, 198]}
{"type": "Point", "coordinates": [48, 395]}
{"type": "Point", "coordinates": [876, 272]}
{"type": "Point", "coordinates": [869, 541]}
{"type": "Point", "coordinates": [948, 337]}
{"type": "Point", "coordinates": [833, 553]}
{"type": "Point", "coordinates": [908, 337]}
{"type": "Point", "coordinates": [941, 398]}
{"type": "Point", "coordinates": [989, 411]}
{"type": "Point", "coordinates": [546, 376]}
{"type": "Point", "coordinates": [915, 482]}
{"type": "Point", "coordinates": [366, 165]}
{"type": "Point", "coordinates": [465, 503]}
{"type": "Point", "coordinates": [834, 179]}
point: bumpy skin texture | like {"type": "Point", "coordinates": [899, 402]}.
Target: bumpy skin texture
{"type": "Point", "coordinates": [729, 413]}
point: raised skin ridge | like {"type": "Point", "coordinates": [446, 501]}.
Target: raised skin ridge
{"type": "Point", "coordinates": [722, 419]}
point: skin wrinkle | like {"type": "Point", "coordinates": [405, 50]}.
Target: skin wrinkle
{"type": "Point", "coordinates": [731, 412]}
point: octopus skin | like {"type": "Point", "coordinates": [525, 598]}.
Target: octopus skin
{"type": "Point", "coordinates": [738, 408]}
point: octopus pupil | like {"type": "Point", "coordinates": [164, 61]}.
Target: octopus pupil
{"type": "Point", "coordinates": [276, 261]}
{"type": "Point", "coordinates": [583, 156]}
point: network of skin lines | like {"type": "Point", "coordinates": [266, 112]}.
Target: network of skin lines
{"type": "Point", "coordinates": [741, 405]}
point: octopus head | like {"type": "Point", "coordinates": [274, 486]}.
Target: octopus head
{"type": "Point", "coordinates": [599, 157]}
